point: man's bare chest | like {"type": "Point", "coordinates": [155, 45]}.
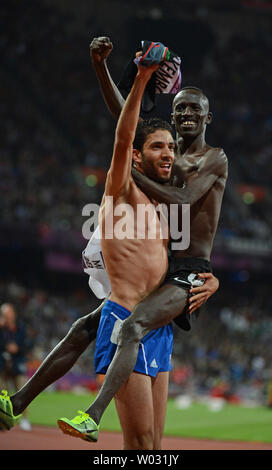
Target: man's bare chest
{"type": "Point", "coordinates": [185, 169]}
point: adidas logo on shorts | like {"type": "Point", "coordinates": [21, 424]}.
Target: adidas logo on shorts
{"type": "Point", "coordinates": [154, 364]}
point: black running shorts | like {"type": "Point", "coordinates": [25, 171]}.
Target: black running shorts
{"type": "Point", "coordinates": [182, 272]}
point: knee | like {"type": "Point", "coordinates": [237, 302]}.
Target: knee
{"type": "Point", "coordinates": [131, 331]}
{"type": "Point", "coordinates": [145, 440]}
{"type": "Point", "coordinates": [78, 332]}
{"type": "Point", "coordinates": [83, 331]}
{"type": "Point", "coordinates": [142, 440]}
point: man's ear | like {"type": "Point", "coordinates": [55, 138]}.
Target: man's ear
{"type": "Point", "coordinates": [209, 118]}
{"type": "Point", "coordinates": [136, 158]}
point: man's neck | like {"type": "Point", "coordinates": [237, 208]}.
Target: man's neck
{"type": "Point", "coordinates": [194, 145]}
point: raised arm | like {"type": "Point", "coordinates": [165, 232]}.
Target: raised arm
{"type": "Point", "coordinates": [100, 48]}
{"type": "Point", "coordinates": [214, 167]}
{"type": "Point", "coordinates": [118, 177]}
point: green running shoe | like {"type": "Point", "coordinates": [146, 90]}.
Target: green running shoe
{"type": "Point", "coordinates": [7, 418]}
{"type": "Point", "coordinates": [82, 426]}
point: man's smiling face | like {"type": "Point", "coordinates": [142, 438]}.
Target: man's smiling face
{"type": "Point", "coordinates": [191, 113]}
{"type": "Point", "coordinates": [157, 156]}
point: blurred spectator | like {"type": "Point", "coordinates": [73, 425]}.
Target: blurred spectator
{"type": "Point", "coordinates": [15, 346]}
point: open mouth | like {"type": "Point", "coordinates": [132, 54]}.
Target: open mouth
{"type": "Point", "coordinates": [188, 123]}
{"type": "Point", "coordinates": [166, 166]}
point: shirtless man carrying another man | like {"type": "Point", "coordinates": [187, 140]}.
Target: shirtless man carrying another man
{"type": "Point", "coordinates": [142, 268]}
{"type": "Point", "coordinates": [198, 178]}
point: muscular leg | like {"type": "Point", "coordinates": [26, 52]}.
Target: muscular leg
{"type": "Point", "coordinates": [156, 310]}
{"type": "Point", "coordinates": [141, 416]}
{"type": "Point", "coordinates": [160, 395]}
{"type": "Point", "coordinates": [59, 361]}
{"type": "Point", "coordinates": [19, 382]}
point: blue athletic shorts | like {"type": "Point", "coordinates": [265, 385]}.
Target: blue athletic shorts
{"type": "Point", "coordinates": [155, 349]}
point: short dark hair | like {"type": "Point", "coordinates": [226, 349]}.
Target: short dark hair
{"type": "Point", "coordinates": [198, 90]}
{"type": "Point", "coordinates": [192, 88]}
{"type": "Point", "coordinates": [146, 127]}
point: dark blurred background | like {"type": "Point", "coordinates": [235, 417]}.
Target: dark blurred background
{"type": "Point", "coordinates": [56, 143]}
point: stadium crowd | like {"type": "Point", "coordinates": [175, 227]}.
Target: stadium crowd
{"type": "Point", "coordinates": [228, 349]}
{"type": "Point", "coordinates": [51, 142]}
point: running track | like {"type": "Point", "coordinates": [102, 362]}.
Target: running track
{"type": "Point", "coordinates": [46, 438]}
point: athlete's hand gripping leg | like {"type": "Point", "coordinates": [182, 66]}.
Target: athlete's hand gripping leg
{"type": "Point", "coordinates": [202, 293]}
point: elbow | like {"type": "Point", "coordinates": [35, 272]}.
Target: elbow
{"type": "Point", "coordinates": [124, 138]}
